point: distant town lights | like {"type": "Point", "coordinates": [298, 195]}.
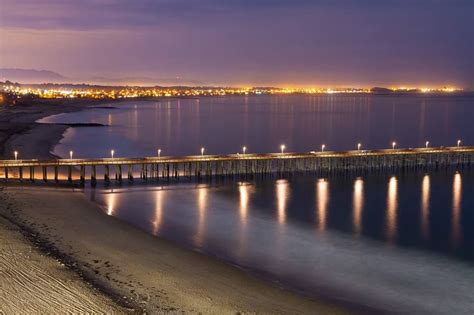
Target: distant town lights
{"type": "Point", "coordinates": [120, 92]}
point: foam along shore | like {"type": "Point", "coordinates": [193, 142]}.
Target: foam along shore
{"type": "Point", "coordinates": [150, 272]}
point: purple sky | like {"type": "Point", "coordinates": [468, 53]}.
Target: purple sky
{"type": "Point", "coordinates": [251, 42]}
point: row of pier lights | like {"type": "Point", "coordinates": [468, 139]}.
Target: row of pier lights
{"type": "Point", "coordinates": [244, 149]}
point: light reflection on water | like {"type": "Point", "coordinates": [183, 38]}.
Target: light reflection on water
{"type": "Point", "coordinates": [282, 192]}
{"type": "Point", "coordinates": [293, 204]}
{"type": "Point", "coordinates": [322, 188]}
{"type": "Point", "coordinates": [237, 222]}
{"type": "Point", "coordinates": [111, 200]}
{"type": "Point", "coordinates": [456, 217]}
{"type": "Point", "coordinates": [425, 207]}
{"type": "Point", "coordinates": [392, 205]}
{"type": "Point", "coordinates": [202, 205]}
{"type": "Point", "coordinates": [159, 195]}
{"type": "Point", "coordinates": [245, 189]}
{"type": "Point", "coordinates": [358, 204]}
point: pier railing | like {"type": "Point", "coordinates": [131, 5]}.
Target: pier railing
{"type": "Point", "coordinates": [175, 167]}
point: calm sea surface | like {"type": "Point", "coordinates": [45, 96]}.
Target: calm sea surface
{"type": "Point", "coordinates": [400, 242]}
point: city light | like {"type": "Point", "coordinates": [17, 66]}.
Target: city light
{"type": "Point", "coordinates": [427, 144]}
{"type": "Point", "coordinates": [459, 143]}
{"type": "Point", "coordinates": [282, 148]}
{"type": "Point", "coordinates": [202, 151]}
{"type": "Point", "coordinates": [323, 147]}
{"type": "Point", "coordinates": [244, 149]}
{"type": "Point", "coordinates": [159, 152]}
{"type": "Point", "coordinates": [393, 145]}
{"type": "Point", "coordinates": [112, 152]}
{"type": "Point", "coordinates": [16, 155]}
{"type": "Point", "coordinates": [99, 92]}
{"type": "Point", "coordinates": [70, 154]}
{"type": "Point", "coordinates": [359, 145]}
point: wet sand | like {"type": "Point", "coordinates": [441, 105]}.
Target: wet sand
{"type": "Point", "coordinates": [132, 267]}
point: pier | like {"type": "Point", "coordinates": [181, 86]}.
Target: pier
{"type": "Point", "coordinates": [233, 165]}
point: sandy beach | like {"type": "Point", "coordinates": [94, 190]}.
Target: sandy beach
{"type": "Point", "coordinates": [92, 261]}
{"type": "Point", "coordinates": [33, 280]}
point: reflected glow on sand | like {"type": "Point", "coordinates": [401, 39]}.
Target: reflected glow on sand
{"type": "Point", "coordinates": [282, 191]}
{"type": "Point", "coordinates": [357, 205]}
{"type": "Point", "coordinates": [392, 205]}
{"type": "Point", "coordinates": [456, 215]}
{"type": "Point", "coordinates": [322, 201]}
{"type": "Point", "coordinates": [425, 207]}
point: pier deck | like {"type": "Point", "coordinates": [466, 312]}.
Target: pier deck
{"type": "Point", "coordinates": [169, 167]}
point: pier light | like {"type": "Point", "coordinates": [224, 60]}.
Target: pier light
{"type": "Point", "coordinates": [323, 147]}
{"type": "Point", "coordinates": [159, 152]}
{"type": "Point", "coordinates": [394, 145]}
{"type": "Point", "coordinates": [70, 154]}
{"type": "Point", "coordinates": [282, 148]}
{"type": "Point", "coordinates": [202, 151]}
{"type": "Point", "coordinates": [427, 144]}
{"type": "Point", "coordinates": [359, 145]}
{"type": "Point", "coordinates": [459, 143]}
{"type": "Point", "coordinates": [112, 152]}
{"type": "Point", "coordinates": [244, 149]}
{"type": "Point", "coordinates": [16, 155]}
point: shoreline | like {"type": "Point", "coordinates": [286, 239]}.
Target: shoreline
{"type": "Point", "coordinates": [183, 275]}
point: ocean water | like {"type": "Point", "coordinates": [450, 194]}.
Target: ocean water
{"type": "Point", "coordinates": [401, 242]}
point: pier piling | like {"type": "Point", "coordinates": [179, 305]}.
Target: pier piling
{"type": "Point", "coordinates": [248, 166]}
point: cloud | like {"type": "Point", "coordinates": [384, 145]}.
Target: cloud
{"type": "Point", "coordinates": [100, 14]}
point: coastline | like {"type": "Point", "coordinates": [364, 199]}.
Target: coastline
{"type": "Point", "coordinates": [131, 266]}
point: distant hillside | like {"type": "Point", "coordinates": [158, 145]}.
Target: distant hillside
{"type": "Point", "coordinates": [379, 89]}
{"type": "Point", "coordinates": [31, 76]}
{"type": "Point", "coordinates": [142, 81]}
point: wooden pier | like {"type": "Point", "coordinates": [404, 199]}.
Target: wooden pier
{"type": "Point", "coordinates": [232, 165]}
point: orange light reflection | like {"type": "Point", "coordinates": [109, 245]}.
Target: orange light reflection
{"type": "Point", "coordinates": [202, 195]}
{"type": "Point", "coordinates": [425, 207]}
{"type": "Point", "coordinates": [392, 205]}
{"type": "Point", "coordinates": [357, 205]}
{"type": "Point", "coordinates": [158, 211]}
{"type": "Point", "coordinates": [322, 192]}
{"type": "Point", "coordinates": [282, 191]}
{"type": "Point", "coordinates": [456, 215]}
